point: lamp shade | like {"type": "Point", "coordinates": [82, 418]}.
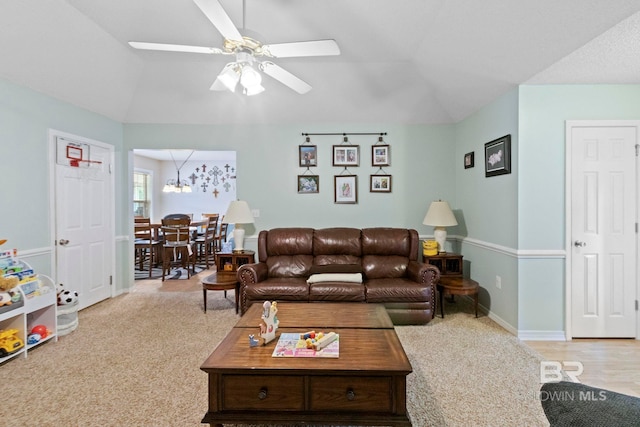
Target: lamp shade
{"type": "Point", "coordinates": [238, 213]}
{"type": "Point", "coordinates": [440, 215]}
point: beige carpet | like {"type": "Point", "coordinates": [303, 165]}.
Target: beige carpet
{"type": "Point", "coordinates": [134, 361]}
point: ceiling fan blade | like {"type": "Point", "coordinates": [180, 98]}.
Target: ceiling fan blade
{"type": "Point", "coordinates": [219, 18]}
{"type": "Point", "coordinates": [175, 47]}
{"type": "Point", "coordinates": [285, 77]}
{"type": "Point", "coordinates": [310, 48]}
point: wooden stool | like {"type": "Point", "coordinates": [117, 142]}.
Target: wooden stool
{"type": "Point", "coordinates": [457, 286]}
{"type": "Point", "coordinates": [221, 281]}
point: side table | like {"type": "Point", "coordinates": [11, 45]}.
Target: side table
{"type": "Point", "coordinates": [457, 286]}
{"type": "Point", "coordinates": [221, 281]}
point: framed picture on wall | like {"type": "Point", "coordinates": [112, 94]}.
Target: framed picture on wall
{"type": "Point", "coordinates": [468, 160]}
{"type": "Point", "coordinates": [308, 155]}
{"type": "Point", "coordinates": [380, 183]}
{"type": "Point", "coordinates": [380, 155]}
{"type": "Point", "coordinates": [346, 188]}
{"type": "Point", "coordinates": [308, 184]}
{"type": "Point", "coordinates": [346, 155]}
{"type": "Point", "coordinates": [497, 156]}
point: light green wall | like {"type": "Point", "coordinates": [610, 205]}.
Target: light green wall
{"type": "Point", "coordinates": [487, 207]}
{"type": "Point", "coordinates": [267, 159]}
{"type": "Point", "coordinates": [543, 112]}
{"type": "Point", "coordinates": [25, 119]}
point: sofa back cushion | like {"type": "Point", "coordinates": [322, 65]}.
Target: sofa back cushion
{"type": "Point", "coordinates": [386, 251]}
{"type": "Point", "coordinates": [337, 245]}
{"type": "Point", "coordinates": [288, 252]}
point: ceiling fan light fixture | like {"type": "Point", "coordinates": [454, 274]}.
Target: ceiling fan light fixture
{"type": "Point", "coordinates": [253, 90]}
{"type": "Point", "coordinates": [250, 77]}
{"type": "Point", "coordinates": [227, 79]}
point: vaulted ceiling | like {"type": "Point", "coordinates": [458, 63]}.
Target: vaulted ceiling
{"type": "Point", "coordinates": [405, 61]}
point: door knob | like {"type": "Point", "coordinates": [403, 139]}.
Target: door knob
{"type": "Point", "coordinates": [63, 242]}
{"type": "Point", "coordinates": [579, 244]}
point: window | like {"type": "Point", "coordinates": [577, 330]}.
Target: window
{"type": "Point", "coordinates": [141, 194]}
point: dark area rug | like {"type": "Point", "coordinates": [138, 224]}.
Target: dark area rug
{"type": "Point", "coordinates": [156, 273]}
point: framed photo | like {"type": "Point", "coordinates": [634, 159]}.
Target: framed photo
{"type": "Point", "coordinates": [380, 183]}
{"type": "Point", "coordinates": [346, 155]}
{"type": "Point", "coordinates": [380, 155]}
{"type": "Point", "coordinates": [308, 184]}
{"type": "Point", "coordinates": [308, 155]}
{"type": "Point", "coordinates": [346, 188]}
{"type": "Point", "coordinates": [497, 156]}
{"type": "Point", "coordinates": [468, 160]}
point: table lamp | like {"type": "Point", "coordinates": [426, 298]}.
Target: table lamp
{"type": "Point", "coordinates": [440, 216]}
{"type": "Point", "coordinates": [238, 213]}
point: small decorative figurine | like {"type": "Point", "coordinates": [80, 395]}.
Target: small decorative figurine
{"type": "Point", "coordinates": [252, 341]}
{"type": "Point", "coordinates": [269, 323]}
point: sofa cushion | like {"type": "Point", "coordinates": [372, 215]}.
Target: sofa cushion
{"type": "Point", "coordinates": [337, 245]}
{"type": "Point", "coordinates": [337, 291]}
{"type": "Point", "coordinates": [390, 266]}
{"type": "Point", "coordinates": [281, 289]}
{"type": "Point", "coordinates": [289, 265]}
{"type": "Point", "coordinates": [396, 290]}
{"type": "Point", "coordinates": [386, 241]}
{"type": "Point", "coordinates": [335, 277]}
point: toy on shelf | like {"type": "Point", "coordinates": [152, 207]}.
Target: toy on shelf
{"type": "Point", "coordinates": [10, 342]}
{"type": "Point", "coordinates": [268, 325]}
{"type": "Point", "coordinates": [7, 293]}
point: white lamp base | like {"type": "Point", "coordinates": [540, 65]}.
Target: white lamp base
{"type": "Point", "coordinates": [440, 235]}
{"type": "Point", "coordinates": [238, 238]}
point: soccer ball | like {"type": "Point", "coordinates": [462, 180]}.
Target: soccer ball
{"type": "Point", "coordinates": [67, 297]}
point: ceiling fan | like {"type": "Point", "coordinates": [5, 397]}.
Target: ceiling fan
{"type": "Point", "coordinates": [246, 50]}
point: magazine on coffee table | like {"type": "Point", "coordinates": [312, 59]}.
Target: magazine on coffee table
{"type": "Point", "coordinates": [291, 345]}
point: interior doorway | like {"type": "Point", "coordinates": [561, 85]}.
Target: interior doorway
{"type": "Point", "coordinates": [602, 243]}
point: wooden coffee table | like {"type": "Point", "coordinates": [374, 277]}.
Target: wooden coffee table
{"type": "Point", "coordinates": [366, 385]}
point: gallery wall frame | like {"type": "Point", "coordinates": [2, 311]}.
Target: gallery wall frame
{"type": "Point", "coordinates": [380, 183]}
{"type": "Point", "coordinates": [497, 156]}
{"type": "Point", "coordinates": [346, 155]}
{"type": "Point", "coordinates": [345, 189]}
{"type": "Point", "coordinates": [380, 155]}
{"type": "Point", "coordinates": [469, 160]}
{"type": "Point", "coordinates": [308, 184]}
{"type": "Point", "coordinates": [308, 155]}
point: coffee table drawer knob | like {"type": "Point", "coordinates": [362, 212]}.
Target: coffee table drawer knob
{"type": "Point", "coordinates": [351, 395]}
{"type": "Point", "coordinates": [262, 394]}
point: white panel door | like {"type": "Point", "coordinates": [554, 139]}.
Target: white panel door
{"type": "Point", "coordinates": [84, 235]}
{"type": "Point", "coordinates": [603, 210]}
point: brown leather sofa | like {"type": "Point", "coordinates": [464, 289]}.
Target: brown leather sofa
{"type": "Point", "coordinates": [387, 259]}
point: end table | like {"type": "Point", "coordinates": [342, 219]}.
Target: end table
{"type": "Point", "coordinates": [457, 286]}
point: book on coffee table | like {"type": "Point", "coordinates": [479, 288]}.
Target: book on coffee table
{"type": "Point", "coordinates": [291, 345]}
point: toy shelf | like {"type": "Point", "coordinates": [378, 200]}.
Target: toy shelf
{"type": "Point", "coordinates": [38, 306]}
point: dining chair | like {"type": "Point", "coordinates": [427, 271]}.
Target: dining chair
{"type": "Point", "coordinates": [221, 237]}
{"type": "Point", "coordinates": [178, 247]}
{"type": "Point", "coordinates": [205, 242]}
{"type": "Point", "coordinates": [145, 244]}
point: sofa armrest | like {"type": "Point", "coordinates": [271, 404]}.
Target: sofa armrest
{"type": "Point", "coordinates": [247, 275]}
{"type": "Point", "coordinates": [423, 273]}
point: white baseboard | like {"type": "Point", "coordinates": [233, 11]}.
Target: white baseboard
{"type": "Point", "coordinates": [541, 335]}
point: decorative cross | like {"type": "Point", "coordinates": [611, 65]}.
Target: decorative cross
{"type": "Point", "coordinates": [227, 167]}
{"type": "Point", "coordinates": [215, 193]}
{"type": "Point", "coordinates": [204, 186]}
{"type": "Point", "coordinates": [204, 168]}
{"type": "Point", "coordinates": [226, 186]}
{"type": "Point", "coordinates": [193, 177]}
{"type": "Point", "coordinates": [197, 169]}
{"type": "Point", "coordinates": [215, 172]}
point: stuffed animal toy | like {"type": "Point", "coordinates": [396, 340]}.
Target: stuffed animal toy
{"type": "Point", "coordinates": [7, 295]}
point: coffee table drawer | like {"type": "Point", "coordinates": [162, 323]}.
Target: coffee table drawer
{"type": "Point", "coordinates": [370, 394]}
{"type": "Point", "coordinates": [264, 392]}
